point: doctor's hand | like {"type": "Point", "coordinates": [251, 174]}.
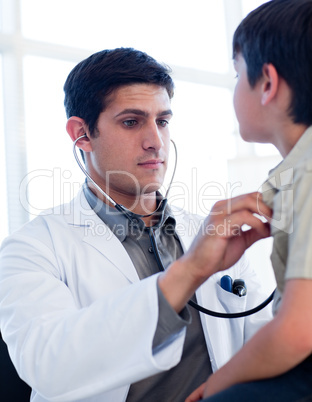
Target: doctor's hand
{"type": "Point", "coordinates": [219, 244]}
{"type": "Point", "coordinates": [197, 395]}
{"type": "Point", "coordinates": [204, 391]}
{"type": "Point", "coordinates": [221, 240]}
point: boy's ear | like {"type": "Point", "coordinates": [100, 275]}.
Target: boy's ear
{"type": "Point", "coordinates": [76, 127]}
{"type": "Point", "coordinates": [270, 80]}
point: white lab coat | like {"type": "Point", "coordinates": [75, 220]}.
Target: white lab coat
{"type": "Point", "coordinates": [79, 323]}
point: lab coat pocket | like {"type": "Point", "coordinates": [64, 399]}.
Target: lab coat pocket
{"type": "Point", "coordinates": [231, 302]}
{"type": "Point", "coordinates": [226, 335]}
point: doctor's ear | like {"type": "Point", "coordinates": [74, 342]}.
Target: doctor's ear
{"type": "Point", "coordinates": [76, 127]}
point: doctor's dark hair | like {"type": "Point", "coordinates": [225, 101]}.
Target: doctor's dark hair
{"type": "Point", "coordinates": [90, 83]}
{"type": "Point", "coordinates": [279, 32]}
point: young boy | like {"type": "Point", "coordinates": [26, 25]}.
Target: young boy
{"type": "Point", "coordinates": [272, 49]}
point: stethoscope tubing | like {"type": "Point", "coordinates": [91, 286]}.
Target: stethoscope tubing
{"type": "Point", "coordinates": [128, 214]}
{"type": "Point", "coordinates": [201, 308]}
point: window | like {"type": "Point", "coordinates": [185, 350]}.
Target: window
{"type": "Point", "coordinates": [202, 134]}
{"type": "Point", "coordinates": [49, 156]}
{"type": "Point", "coordinates": [175, 31]}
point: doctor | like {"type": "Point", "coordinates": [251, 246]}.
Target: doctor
{"type": "Point", "coordinates": [85, 309]}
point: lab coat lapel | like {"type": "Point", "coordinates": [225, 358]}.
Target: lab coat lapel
{"type": "Point", "coordinates": [186, 227]}
{"type": "Point", "coordinates": [99, 236]}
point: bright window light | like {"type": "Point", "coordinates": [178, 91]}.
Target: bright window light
{"type": "Point", "coordinates": [177, 32]}
{"type": "Point", "coordinates": [51, 164]}
{"type": "Point", "coordinates": [202, 134]}
{"type": "Point", "coordinates": [249, 5]}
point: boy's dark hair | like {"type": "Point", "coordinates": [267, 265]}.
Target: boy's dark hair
{"type": "Point", "coordinates": [280, 32]}
{"type": "Point", "coordinates": [90, 83]}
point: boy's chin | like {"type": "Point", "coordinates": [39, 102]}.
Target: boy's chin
{"type": "Point", "coordinates": [249, 136]}
{"type": "Point", "coordinates": [246, 137]}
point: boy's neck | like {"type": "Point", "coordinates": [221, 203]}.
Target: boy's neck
{"type": "Point", "coordinates": [285, 141]}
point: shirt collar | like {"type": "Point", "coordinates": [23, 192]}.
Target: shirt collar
{"type": "Point", "coordinates": [118, 223]}
{"type": "Point", "coordinates": [282, 175]}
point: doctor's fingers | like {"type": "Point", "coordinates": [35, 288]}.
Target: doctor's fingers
{"type": "Point", "coordinates": [252, 202]}
{"type": "Point", "coordinates": [196, 395]}
{"type": "Point", "coordinates": [232, 225]}
{"type": "Point", "coordinates": [244, 217]}
{"type": "Point", "coordinates": [252, 235]}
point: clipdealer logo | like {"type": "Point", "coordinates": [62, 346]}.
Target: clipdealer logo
{"type": "Point", "coordinates": [278, 193]}
{"type": "Point", "coordinates": [58, 188]}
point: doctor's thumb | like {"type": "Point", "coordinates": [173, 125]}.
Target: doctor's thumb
{"type": "Point", "coordinates": [196, 395]}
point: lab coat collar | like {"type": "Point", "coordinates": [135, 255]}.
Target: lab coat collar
{"type": "Point", "coordinates": [95, 232]}
{"type": "Point", "coordinates": [81, 217]}
{"type": "Point", "coordinates": [118, 223]}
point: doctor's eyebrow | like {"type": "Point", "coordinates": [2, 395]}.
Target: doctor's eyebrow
{"type": "Point", "coordinates": [140, 112]}
{"type": "Point", "coordinates": [165, 113]}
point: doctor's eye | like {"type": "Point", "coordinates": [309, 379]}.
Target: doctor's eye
{"type": "Point", "coordinates": [130, 123]}
{"type": "Point", "coordinates": [163, 123]}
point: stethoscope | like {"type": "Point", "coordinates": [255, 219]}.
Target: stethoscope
{"type": "Point", "coordinates": [130, 215]}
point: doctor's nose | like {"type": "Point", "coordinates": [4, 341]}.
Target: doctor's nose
{"type": "Point", "coordinates": [153, 138]}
